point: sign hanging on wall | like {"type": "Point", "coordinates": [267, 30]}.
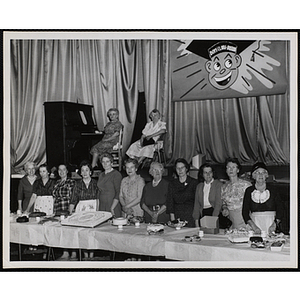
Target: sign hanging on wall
{"type": "Point", "coordinates": [212, 69]}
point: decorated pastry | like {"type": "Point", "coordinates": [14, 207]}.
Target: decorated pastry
{"type": "Point", "coordinates": [155, 228]}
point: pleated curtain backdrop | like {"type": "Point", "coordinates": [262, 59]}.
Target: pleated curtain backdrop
{"type": "Point", "coordinates": [109, 73]}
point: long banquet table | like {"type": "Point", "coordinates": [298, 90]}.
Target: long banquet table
{"type": "Point", "coordinates": [134, 240]}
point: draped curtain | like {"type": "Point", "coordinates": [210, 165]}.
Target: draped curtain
{"type": "Point", "coordinates": [157, 83]}
{"type": "Point", "coordinates": [251, 129]}
{"type": "Point", "coordinates": [98, 72]}
{"type": "Point", "coordinates": [108, 73]}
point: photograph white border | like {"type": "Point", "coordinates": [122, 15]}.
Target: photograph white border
{"type": "Point", "coordinates": [206, 35]}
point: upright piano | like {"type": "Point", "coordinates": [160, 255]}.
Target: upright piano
{"type": "Point", "coordinates": [70, 133]}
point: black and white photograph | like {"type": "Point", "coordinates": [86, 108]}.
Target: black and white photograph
{"type": "Point", "coordinates": [150, 150]}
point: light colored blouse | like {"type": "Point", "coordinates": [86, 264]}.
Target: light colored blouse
{"type": "Point", "coordinates": [150, 128]}
{"type": "Point", "coordinates": [131, 190]}
{"type": "Point", "coordinates": [232, 194]}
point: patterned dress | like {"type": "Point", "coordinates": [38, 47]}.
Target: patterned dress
{"type": "Point", "coordinates": [106, 145]}
{"type": "Point", "coordinates": [62, 193]}
{"type": "Point", "coordinates": [136, 150]}
{"type": "Point", "coordinates": [181, 199]}
{"type": "Point", "coordinates": [232, 195]}
{"type": "Point", "coordinates": [131, 190]}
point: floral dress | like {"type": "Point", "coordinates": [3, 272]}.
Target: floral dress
{"type": "Point", "coordinates": [106, 145]}
{"type": "Point", "coordinates": [232, 195]}
{"type": "Point", "coordinates": [132, 189]}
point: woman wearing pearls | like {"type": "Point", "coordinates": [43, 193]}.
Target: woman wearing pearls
{"type": "Point", "coordinates": [154, 196]}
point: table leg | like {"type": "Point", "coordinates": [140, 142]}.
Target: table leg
{"type": "Point", "coordinates": [112, 255]}
{"type": "Point", "coordinates": [51, 253]}
{"type": "Point", "coordinates": [20, 252]}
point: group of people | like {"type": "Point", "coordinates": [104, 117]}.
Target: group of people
{"type": "Point", "coordinates": [141, 149]}
{"type": "Point", "coordinates": [237, 201]}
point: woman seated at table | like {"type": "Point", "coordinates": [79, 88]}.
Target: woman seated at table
{"type": "Point", "coordinates": [41, 187]}
{"type": "Point", "coordinates": [25, 187]}
{"type": "Point", "coordinates": [181, 194]}
{"type": "Point", "coordinates": [262, 205]}
{"type": "Point", "coordinates": [208, 195]}
{"type": "Point", "coordinates": [85, 197]}
{"type": "Point", "coordinates": [154, 196]}
{"type": "Point", "coordinates": [232, 194]}
{"type": "Point", "coordinates": [145, 146]}
{"type": "Point", "coordinates": [131, 190]}
{"type": "Point", "coordinates": [109, 183]}
{"type": "Point", "coordinates": [110, 138]}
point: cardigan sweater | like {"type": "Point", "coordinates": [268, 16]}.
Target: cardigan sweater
{"type": "Point", "coordinates": [214, 199]}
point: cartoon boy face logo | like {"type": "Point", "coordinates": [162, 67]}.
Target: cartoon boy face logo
{"type": "Point", "coordinates": [223, 65]}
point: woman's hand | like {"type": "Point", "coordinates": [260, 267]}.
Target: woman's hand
{"type": "Point", "coordinates": [256, 229]}
{"type": "Point", "coordinates": [225, 212]}
{"type": "Point", "coordinates": [154, 217]}
{"type": "Point", "coordinates": [272, 228]}
{"type": "Point", "coordinates": [142, 139]}
{"type": "Point", "coordinates": [128, 211]}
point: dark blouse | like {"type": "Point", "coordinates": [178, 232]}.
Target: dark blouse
{"type": "Point", "coordinates": [153, 196]}
{"type": "Point", "coordinates": [274, 203]}
{"type": "Point", "coordinates": [181, 199]}
{"type": "Point", "coordinates": [43, 190]}
{"type": "Point", "coordinates": [81, 192]}
{"type": "Point", "coordinates": [25, 189]}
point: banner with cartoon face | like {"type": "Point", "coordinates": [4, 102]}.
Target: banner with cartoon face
{"type": "Point", "coordinates": [206, 69]}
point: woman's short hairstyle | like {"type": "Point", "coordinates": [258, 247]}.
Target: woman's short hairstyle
{"type": "Point", "coordinates": [153, 164]}
{"type": "Point", "coordinates": [233, 160]}
{"type": "Point", "coordinates": [62, 164]}
{"type": "Point", "coordinates": [133, 161]}
{"type": "Point", "coordinates": [108, 155]}
{"type": "Point", "coordinates": [87, 164]}
{"type": "Point", "coordinates": [45, 166]}
{"type": "Point", "coordinates": [206, 165]}
{"type": "Point", "coordinates": [112, 109]}
{"type": "Point", "coordinates": [155, 111]}
{"type": "Point", "coordinates": [182, 160]}
{"type": "Point", "coordinates": [26, 166]}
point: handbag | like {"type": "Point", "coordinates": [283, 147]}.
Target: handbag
{"type": "Point", "coordinates": [148, 142]}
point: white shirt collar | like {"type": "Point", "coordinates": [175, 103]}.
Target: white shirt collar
{"type": "Point", "coordinates": [209, 182]}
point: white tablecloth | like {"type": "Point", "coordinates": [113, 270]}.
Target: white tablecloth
{"type": "Point", "coordinates": [137, 241]}
{"type": "Point", "coordinates": [104, 237]}
{"type": "Point", "coordinates": [217, 248]}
